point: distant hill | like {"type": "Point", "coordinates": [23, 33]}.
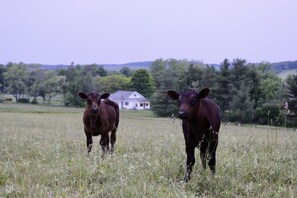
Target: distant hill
{"type": "Point", "coordinates": [54, 67]}
{"type": "Point", "coordinates": [283, 69]}
{"type": "Point", "coordinates": [112, 67]}
{"type": "Point", "coordinates": [284, 66]}
{"type": "Point", "coordinates": [133, 65]}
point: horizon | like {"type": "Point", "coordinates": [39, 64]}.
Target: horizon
{"type": "Point", "coordinates": [133, 62]}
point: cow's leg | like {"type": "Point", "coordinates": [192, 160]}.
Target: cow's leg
{"type": "Point", "coordinates": [113, 139]}
{"type": "Point", "coordinates": [191, 143]}
{"type": "Point", "coordinates": [203, 148]}
{"type": "Point", "coordinates": [103, 144]}
{"type": "Point", "coordinates": [212, 155]}
{"type": "Point", "coordinates": [107, 142]}
{"type": "Point", "coordinates": [190, 150]}
{"type": "Point", "coordinates": [89, 141]}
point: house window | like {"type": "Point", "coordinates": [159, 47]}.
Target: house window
{"type": "Point", "coordinates": [147, 104]}
{"type": "Point", "coordinates": [126, 103]}
{"type": "Point", "coordinates": [141, 104]}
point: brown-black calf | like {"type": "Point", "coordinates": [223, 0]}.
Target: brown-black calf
{"type": "Point", "coordinates": [100, 118]}
{"type": "Point", "coordinates": [201, 124]}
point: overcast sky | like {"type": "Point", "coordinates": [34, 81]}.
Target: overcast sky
{"type": "Point", "coordinates": [122, 31]}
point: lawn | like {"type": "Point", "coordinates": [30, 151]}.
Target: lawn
{"type": "Point", "coordinates": [44, 154]}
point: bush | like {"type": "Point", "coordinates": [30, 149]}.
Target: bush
{"type": "Point", "coordinates": [268, 114]}
{"type": "Point", "coordinates": [23, 100]}
{"type": "Point", "coordinates": [34, 102]}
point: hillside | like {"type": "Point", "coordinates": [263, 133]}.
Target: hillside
{"type": "Point", "coordinates": [283, 69]}
{"type": "Point", "coordinates": [132, 65]}
{"type": "Point", "coordinates": [284, 66]}
{"type": "Point", "coordinates": [112, 67]}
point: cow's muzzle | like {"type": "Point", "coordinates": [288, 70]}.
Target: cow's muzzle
{"type": "Point", "coordinates": [182, 115]}
{"type": "Point", "coordinates": [94, 110]}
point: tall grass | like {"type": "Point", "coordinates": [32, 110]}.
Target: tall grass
{"type": "Point", "coordinates": [45, 155]}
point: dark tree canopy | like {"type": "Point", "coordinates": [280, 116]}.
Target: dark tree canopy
{"type": "Point", "coordinates": [142, 82]}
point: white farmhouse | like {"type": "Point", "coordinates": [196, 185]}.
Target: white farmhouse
{"type": "Point", "coordinates": [130, 100]}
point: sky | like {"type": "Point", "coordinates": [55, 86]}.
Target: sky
{"type": "Point", "coordinates": [118, 31]}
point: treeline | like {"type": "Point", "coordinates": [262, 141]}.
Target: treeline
{"type": "Point", "coordinates": [245, 92]}
{"type": "Point", "coordinates": [26, 82]}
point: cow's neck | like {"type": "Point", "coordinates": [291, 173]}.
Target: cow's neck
{"type": "Point", "coordinates": [99, 123]}
{"type": "Point", "coordinates": [94, 120]}
{"type": "Point", "coordinates": [197, 117]}
{"type": "Point", "coordinates": [198, 122]}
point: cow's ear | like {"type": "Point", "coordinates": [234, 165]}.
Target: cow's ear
{"type": "Point", "coordinates": [82, 95]}
{"type": "Point", "coordinates": [172, 94]}
{"type": "Point", "coordinates": [104, 96]}
{"type": "Point", "coordinates": [203, 93]}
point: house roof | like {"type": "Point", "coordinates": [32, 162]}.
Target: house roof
{"type": "Point", "coordinates": [127, 96]}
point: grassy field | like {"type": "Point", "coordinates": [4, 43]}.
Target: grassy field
{"type": "Point", "coordinates": [43, 154]}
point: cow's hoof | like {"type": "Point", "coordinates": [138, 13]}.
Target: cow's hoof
{"type": "Point", "coordinates": [187, 178]}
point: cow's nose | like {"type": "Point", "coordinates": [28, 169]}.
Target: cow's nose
{"type": "Point", "coordinates": [94, 109]}
{"type": "Point", "coordinates": [182, 115]}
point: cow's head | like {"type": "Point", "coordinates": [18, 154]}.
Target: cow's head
{"type": "Point", "coordinates": [189, 101]}
{"type": "Point", "coordinates": [93, 100]}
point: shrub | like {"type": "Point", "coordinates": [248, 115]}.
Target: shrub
{"type": "Point", "coordinates": [23, 100]}
{"type": "Point", "coordinates": [34, 102]}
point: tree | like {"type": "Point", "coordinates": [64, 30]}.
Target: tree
{"type": "Point", "coordinates": [255, 92]}
{"type": "Point", "coordinates": [101, 71]}
{"type": "Point", "coordinates": [36, 83]}
{"type": "Point", "coordinates": [158, 72]}
{"type": "Point", "coordinates": [192, 77]}
{"type": "Point", "coordinates": [53, 86]}
{"type": "Point", "coordinates": [16, 77]}
{"type": "Point", "coordinates": [239, 72]}
{"type": "Point", "coordinates": [224, 95]}
{"type": "Point", "coordinates": [126, 71]}
{"type": "Point", "coordinates": [161, 105]}
{"type": "Point", "coordinates": [209, 79]}
{"type": "Point", "coordinates": [174, 73]}
{"type": "Point", "coordinates": [2, 70]}
{"type": "Point", "coordinates": [292, 98]}
{"type": "Point", "coordinates": [75, 81]}
{"type": "Point", "coordinates": [171, 74]}
{"type": "Point", "coordinates": [142, 82]}
{"type": "Point", "coordinates": [111, 83]}
{"type": "Point", "coordinates": [242, 107]}
{"type": "Point", "coordinates": [94, 70]}
{"type": "Point", "coordinates": [268, 109]}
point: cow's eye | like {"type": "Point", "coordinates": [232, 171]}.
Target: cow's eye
{"type": "Point", "coordinates": [193, 102]}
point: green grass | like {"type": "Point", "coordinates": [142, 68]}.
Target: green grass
{"type": "Point", "coordinates": [9, 107]}
{"type": "Point", "coordinates": [44, 155]}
